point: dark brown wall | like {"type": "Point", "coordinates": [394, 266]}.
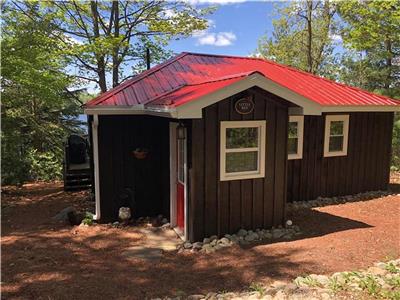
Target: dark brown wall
{"type": "Point", "coordinates": [149, 178]}
{"type": "Point", "coordinates": [365, 168]}
{"type": "Point", "coordinates": [219, 207]}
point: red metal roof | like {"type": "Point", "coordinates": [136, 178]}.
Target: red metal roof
{"type": "Point", "coordinates": [189, 76]}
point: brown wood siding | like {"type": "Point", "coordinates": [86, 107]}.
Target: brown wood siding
{"type": "Point", "coordinates": [148, 178]}
{"type": "Point", "coordinates": [365, 168]}
{"type": "Point", "coordinates": [219, 207]}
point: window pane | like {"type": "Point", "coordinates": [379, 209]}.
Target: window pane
{"type": "Point", "coordinates": [336, 128]}
{"type": "Point", "coordinates": [241, 161]}
{"type": "Point", "coordinates": [292, 129]}
{"type": "Point", "coordinates": [292, 145]}
{"type": "Point", "coordinates": [335, 143]}
{"type": "Point", "coordinates": [241, 137]}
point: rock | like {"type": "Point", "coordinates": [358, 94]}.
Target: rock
{"type": "Point", "coordinates": [228, 236]}
{"type": "Point", "coordinates": [196, 297]}
{"type": "Point", "coordinates": [206, 241]}
{"type": "Point", "coordinates": [278, 284]}
{"type": "Point", "coordinates": [197, 245]}
{"type": "Point", "coordinates": [288, 236]}
{"type": "Point", "coordinates": [166, 225]}
{"type": "Point", "coordinates": [234, 239]}
{"type": "Point", "coordinates": [213, 237]}
{"type": "Point", "coordinates": [321, 279]}
{"type": "Point", "coordinates": [291, 287]}
{"type": "Point", "coordinates": [211, 295]}
{"type": "Point", "coordinates": [187, 245]}
{"type": "Point", "coordinates": [116, 223]}
{"type": "Point", "coordinates": [325, 296]}
{"type": "Point", "coordinates": [208, 248]}
{"type": "Point", "coordinates": [218, 247]}
{"type": "Point", "coordinates": [376, 271]}
{"type": "Point", "coordinates": [249, 238]}
{"type": "Point", "coordinates": [296, 228]}
{"type": "Point", "coordinates": [213, 242]}
{"type": "Point", "coordinates": [224, 241]}
{"type": "Point", "coordinates": [289, 223]}
{"type": "Point", "coordinates": [242, 233]}
{"type": "Point", "coordinates": [381, 265]}
{"type": "Point", "coordinates": [278, 233]}
{"type": "Point", "coordinates": [124, 214]}
{"type": "Point", "coordinates": [164, 221]}
{"type": "Point", "coordinates": [63, 214]}
{"type": "Point", "coordinates": [75, 218]}
{"type": "Point", "coordinates": [280, 295]}
{"type": "Point", "coordinates": [268, 235]}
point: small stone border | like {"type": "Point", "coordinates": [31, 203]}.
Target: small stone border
{"type": "Point", "coordinates": [378, 282]}
{"type": "Point", "coordinates": [325, 201]}
{"type": "Point", "coordinates": [242, 237]}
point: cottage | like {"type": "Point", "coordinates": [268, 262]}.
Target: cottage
{"type": "Point", "coordinates": [218, 143]}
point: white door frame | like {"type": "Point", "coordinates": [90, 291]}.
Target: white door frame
{"type": "Point", "coordinates": [173, 181]}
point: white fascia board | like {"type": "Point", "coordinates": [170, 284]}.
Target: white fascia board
{"type": "Point", "coordinates": [131, 110]}
{"type": "Point", "coordinates": [95, 145]}
{"type": "Point", "coordinates": [193, 109]}
{"type": "Point", "coordinates": [361, 108]}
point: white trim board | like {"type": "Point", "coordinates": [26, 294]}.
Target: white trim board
{"type": "Point", "coordinates": [95, 141]}
{"type": "Point", "coordinates": [172, 173]}
{"type": "Point", "coordinates": [300, 135]}
{"type": "Point", "coordinates": [260, 172]}
{"type": "Point", "coordinates": [328, 119]}
{"type": "Point", "coordinates": [173, 181]}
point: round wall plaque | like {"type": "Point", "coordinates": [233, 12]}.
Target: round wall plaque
{"type": "Point", "coordinates": [244, 106]}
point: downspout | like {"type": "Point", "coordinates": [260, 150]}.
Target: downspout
{"type": "Point", "coordinates": [95, 135]}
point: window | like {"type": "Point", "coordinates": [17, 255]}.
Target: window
{"type": "Point", "coordinates": [336, 135]}
{"type": "Point", "coordinates": [295, 137]}
{"type": "Point", "coordinates": [242, 150]}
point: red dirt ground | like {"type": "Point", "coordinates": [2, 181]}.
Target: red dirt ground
{"type": "Point", "coordinates": [44, 260]}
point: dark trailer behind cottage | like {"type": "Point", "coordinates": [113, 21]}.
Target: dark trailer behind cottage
{"type": "Point", "coordinates": [219, 143]}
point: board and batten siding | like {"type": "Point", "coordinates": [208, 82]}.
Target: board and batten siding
{"type": "Point", "coordinates": [219, 207]}
{"type": "Point", "coordinates": [148, 178]}
{"type": "Point", "coordinates": [366, 166]}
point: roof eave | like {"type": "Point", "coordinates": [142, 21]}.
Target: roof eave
{"type": "Point", "coordinates": [360, 108]}
{"type": "Point", "coordinates": [168, 112]}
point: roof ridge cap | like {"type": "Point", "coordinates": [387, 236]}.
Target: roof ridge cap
{"type": "Point", "coordinates": [221, 55]}
{"type": "Point", "coordinates": [227, 77]}
{"type": "Point", "coordinates": [223, 78]}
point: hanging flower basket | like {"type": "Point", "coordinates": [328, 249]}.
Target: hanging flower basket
{"type": "Point", "coordinates": [140, 153]}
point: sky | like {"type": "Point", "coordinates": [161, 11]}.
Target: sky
{"type": "Point", "coordinates": [234, 28]}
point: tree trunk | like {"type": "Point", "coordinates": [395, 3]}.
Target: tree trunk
{"type": "Point", "coordinates": [101, 72]}
{"type": "Point", "coordinates": [388, 46]}
{"type": "Point", "coordinates": [115, 58]}
{"type": "Point", "coordinates": [309, 36]}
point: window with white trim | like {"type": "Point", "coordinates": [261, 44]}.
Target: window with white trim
{"type": "Point", "coordinates": [242, 150]}
{"type": "Point", "coordinates": [336, 135]}
{"type": "Point", "coordinates": [295, 137]}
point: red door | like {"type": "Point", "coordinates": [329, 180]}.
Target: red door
{"type": "Point", "coordinates": [180, 184]}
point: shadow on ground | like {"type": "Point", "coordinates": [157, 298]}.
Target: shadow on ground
{"type": "Point", "coordinates": [314, 223]}
{"type": "Point", "coordinates": [41, 260]}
